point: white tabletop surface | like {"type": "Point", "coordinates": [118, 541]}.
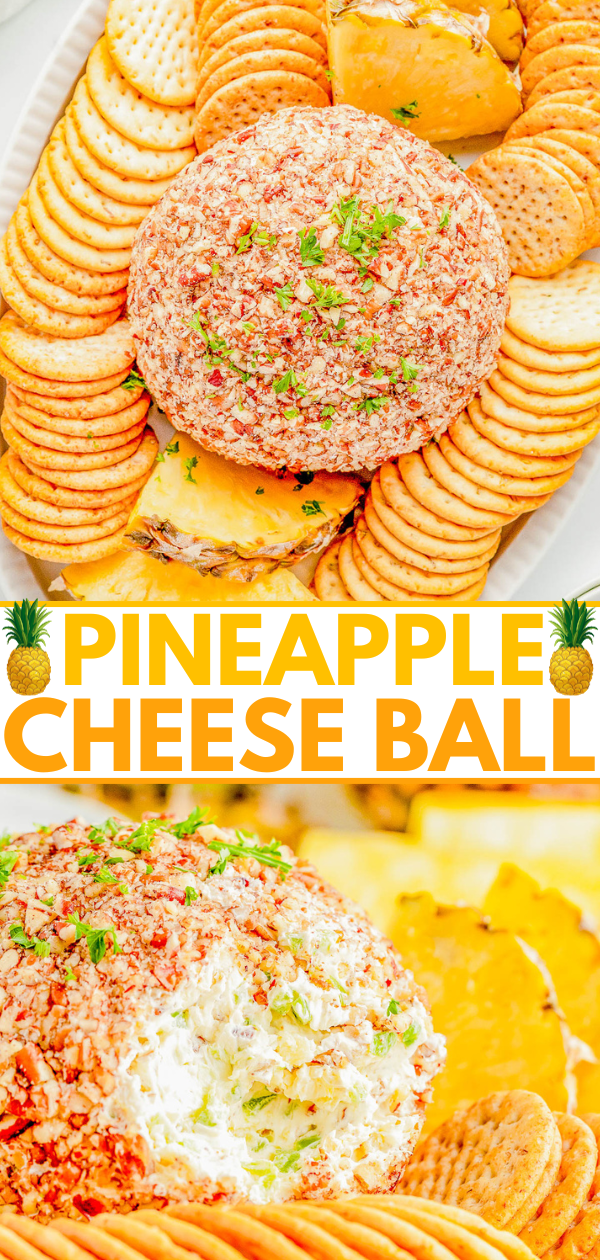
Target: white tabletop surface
{"type": "Point", "coordinates": [26, 40]}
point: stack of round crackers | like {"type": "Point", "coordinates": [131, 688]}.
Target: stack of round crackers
{"type": "Point", "coordinates": [432, 521]}
{"type": "Point", "coordinates": [257, 57]}
{"type": "Point", "coordinates": [79, 449]}
{"type": "Point", "coordinates": [368, 1227]}
{"type": "Point", "coordinates": [519, 1166]}
{"type": "Point", "coordinates": [544, 180]}
{"type": "Point", "coordinates": [64, 260]}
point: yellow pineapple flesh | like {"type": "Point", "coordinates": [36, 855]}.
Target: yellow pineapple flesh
{"type": "Point", "coordinates": [140, 578]}
{"type": "Point", "coordinates": [422, 65]}
{"type": "Point", "coordinates": [232, 520]}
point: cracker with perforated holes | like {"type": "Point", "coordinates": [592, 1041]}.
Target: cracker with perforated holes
{"type": "Point", "coordinates": [266, 59]}
{"type": "Point", "coordinates": [560, 312]}
{"type": "Point", "coordinates": [539, 213]}
{"type": "Point", "coordinates": [124, 156]}
{"type": "Point", "coordinates": [138, 118]}
{"type": "Point", "coordinates": [154, 44]}
{"type": "Point", "coordinates": [262, 41]}
{"type": "Point", "coordinates": [83, 359]}
{"type": "Point", "coordinates": [487, 1158]}
{"type": "Point", "coordinates": [273, 17]}
{"type": "Point", "coordinates": [240, 103]}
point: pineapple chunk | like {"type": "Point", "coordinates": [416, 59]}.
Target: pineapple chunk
{"type": "Point", "coordinates": [505, 24]}
{"type": "Point", "coordinates": [490, 999]}
{"type": "Point", "coordinates": [472, 832]}
{"type": "Point", "coordinates": [140, 579]}
{"type": "Point", "coordinates": [422, 65]}
{"type": "Point", "coordinates": [232, 520]}
{"type": "Point", "coordinates": [555, 928]}
{"type": "Point", "coordinates": [370, 867]}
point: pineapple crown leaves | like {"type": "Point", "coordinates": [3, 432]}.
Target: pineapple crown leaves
{"type": "Point", "coordinates": [573, 624]}
{"type": "Point", "coordinates": [26, 624]}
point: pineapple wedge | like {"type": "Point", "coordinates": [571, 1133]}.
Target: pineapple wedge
{"type": "Point", "coordinates": [421, 65]}
{"type": "Point", "coordinates": [139, 579]}
{"type": "Point", "coordinates": [232, 520]}
{"type": "Point", "coordinates": [504, 24]}
{"type": "Point", "coordinates": [556, 929]}
{"type": "Point", "coordinates": [490, 998]}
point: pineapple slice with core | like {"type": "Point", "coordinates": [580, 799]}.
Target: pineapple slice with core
{"type": "Point", "coordinates": [490, 998]}
{"type": "Point", "coordinates": [423, 66]}
{"type": "Point", "coordinates": [232, 520]}
{"type": "Point", "coordinates": [138, 578]}
{"type": "Point", "coordinates": [502, 24]}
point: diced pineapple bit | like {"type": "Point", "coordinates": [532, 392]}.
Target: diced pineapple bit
{"type": "Point", "coordinates": [233, 520]}
{"type": "Point", "coordinates": [423, 66]}
{"type": "Point", "coordinates": [140, 578]}
{"type": "Point", "coordinates": [490, 999]}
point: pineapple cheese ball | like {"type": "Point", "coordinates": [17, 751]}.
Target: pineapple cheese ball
{"type": "Point", "coordinates": [190, 1015]}
{"type": "Point", "coordinates": [320, 291]}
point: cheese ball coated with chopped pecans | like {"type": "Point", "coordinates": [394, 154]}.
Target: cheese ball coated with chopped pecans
{"type": "Point", "coordinates": [322, 290]}
{"type": "Point", "coordinates": [187, 1014]}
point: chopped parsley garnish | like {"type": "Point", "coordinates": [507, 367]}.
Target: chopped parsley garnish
{"type": "Point", "coordinates": [326, 421]}
{"type": "Point", "coordinates": [364, 344]}
{"type": "Point", "coordinates": [19, 936]}
{"type": "Point", "coordinates": [259, 490]}
{"type": "Point", "coordinates": [410, 372]}
{"type": "Point", "coordinates": [404, 113]}
{"type": "Point", "coordinates": [95, 938]}
{"type": "Point", "coordinates": [369, 405]}
{"type": "Point", "coordinates": [285, 296]}
{"type": "Point", "coordinates": [104, 876]}
{"type": "Point", "coordinates": [41, 827]}
{"type": "Point", "coordinates": [445, 219]}
{"type": "Point", "coordinates": [87, 859]}
{"type": "Point", "coordinates": [393, 1008]}
{"type": "Point", "coordinates": [307, 315]}
{"type": "Point", "coordinates": [410, 1034]}
{"type": "Point", "coordinates": [326, 295]}
{"type": "Point", "coordinates": [290, 413]}
{"type": "Point", "coordinates": [362, 232]}
{"type": "Point", "coordinates": [248, 327]}
{"type": "Point", "coordinates": [382, 1043]}
{"type": "Point", "coordinates": [243, 847]}
{"type": "Point", "coordinates": [190, 895]}
{"type": "Point", "coordinates": [368, 285]}
{"type": "Point", "coordinates": [256, 235]}
{"type": "Point", "coordinates": [215, 269]}
{"type": "Point", "coordinates": [140, 840]}
{"type": "Point", "coordinates": [217, 351]}
{"type": "Point", "coordinates": [289, 380]}
{"type": "Point", "coordinates": [104, 832]}
{"type": "Point", "coordinates": [312, 507]}
{"type": "Point", "coordinates": [47, 901]}
{"type": "Point", "coordinates": [190, 464]}
{"type": "Point", "coordinates": [133, 381]}
{"type": "Point", "coordinates": [451, 158]}
{"type": "Point", "coordinates": [7, 863]}
{"type": "Point", "coordinates": [171, 449]}
{"type": "Point", "coordinates": [257, 1103]}
{"type": "Point", "coordinates": [70, 975]}
{"type": "Point", "coordinates": [199, 817]}
{"type": "Point", "coordinates": [311, 253]}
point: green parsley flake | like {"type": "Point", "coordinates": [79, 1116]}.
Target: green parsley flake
{"type": "Point", "coordinates": [171, 449]}
{"type": "Point", "coordinates": [256, 235]}
{"type": "Point", "coordinates": [190, 464]}
{"type": "Point", "coordinates": [19, 936]}
{"type": "Point", "coordinates": [190, 895]}
{"type": "Point", "coordinates": [393, 1007]}
{"type": "Point", "coordinates": [326, 296]}
{"type": "Point", "coordinates": [290, 413]}
{"type": "Point", "coordinates": [105, 831]}
{"type": "Point", "coordinates": [285, 296]}
{"type": "Point", "coordinates": [404, 113]}
{"type": "Point", "coordinates": [370, 405]}
{"type": "Point", "coordinates": [445, 219]}
{"type": "Point", "coordinates": [199, 817]}
{"type": "Point", "coordinates": [312, 507]}
{"type": "Point", "coordinates": [268, 854]}
{"type": "Point", "coordinates": [133, 381]}
{"type": "Point", "coordinates": [311, 253]}
{"type": "Point", "coordinates": [259, 490]}
{"type": "Point", "coordinates": [95, 938]}
{"type": "Point", "coordinates": [285, 382]}
{"type": "Point", "coordinates": [7, 863]}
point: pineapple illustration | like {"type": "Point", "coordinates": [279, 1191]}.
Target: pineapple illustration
{"type": "Point", "coordinates": [28, 665]}
{"type": "Point", "coordinates": [571, 664]}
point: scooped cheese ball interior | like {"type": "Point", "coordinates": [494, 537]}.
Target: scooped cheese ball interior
{"type": "Point", "coordinates": [322, 290]}
{"type": "Point", "coordinates": [187, 1014]}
